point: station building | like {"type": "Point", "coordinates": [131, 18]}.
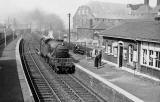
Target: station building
{"type": "Point", "coordinates": [135, 45]}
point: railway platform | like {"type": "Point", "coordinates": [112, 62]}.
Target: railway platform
{"type": "Point", "coordinates": [13, 85]}
{"type": "Point", "coordinates": [135, 87]}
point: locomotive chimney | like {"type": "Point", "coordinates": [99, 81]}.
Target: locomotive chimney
{"type": "Point", "coordinates": [158, 2]}
{"type": "Point", "coordinates": [146, 2]}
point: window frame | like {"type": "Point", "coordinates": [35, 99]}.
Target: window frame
{"type": "Point", "coordinates": [115, 52]}
{"type": "Point", "coordinates": [151, 62]}
{"type": "Point", "coordinates": [109, 50]}
{"type": "Point", "coordinates": [157, 59]}
{"type": "Point", "coordinates": [144, 59]}
{"type": "Point", "coordinates": [130, 54]}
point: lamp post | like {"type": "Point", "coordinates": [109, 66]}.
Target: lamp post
{"type": "Point", "coordinates": [5, 42]}
{"type": "Point", "coordinates": [13, 31]}
{"type": "Point", "coordinates": [69, 15]}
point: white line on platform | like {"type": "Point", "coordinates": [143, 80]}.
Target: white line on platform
{"type": "Point", "coordinates": [22, 76]}
{"type": "Point", "coordinates": [118, 89]}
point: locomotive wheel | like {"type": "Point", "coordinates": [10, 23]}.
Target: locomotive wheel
{"type": "Point", "coordinates": [72, 69]}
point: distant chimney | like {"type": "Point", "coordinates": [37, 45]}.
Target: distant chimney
{"type": "Point", "coordinates": [91, 23]}
{"type": "Point", "coordinates": [146, 2]}
{"type": "Point", "coordinates": [158, 14]}
{"type": "Point", "coordinates": [158, 2]}
{"type": "Point", "coordinates": [157, 18]}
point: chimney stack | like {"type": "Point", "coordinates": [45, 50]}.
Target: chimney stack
{"type": "Point", "coordinates": [158, 2]}
{"type": "Point", "coordinates": [146, 2]}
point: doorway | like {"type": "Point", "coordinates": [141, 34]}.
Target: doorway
{"type": "Point", "coordinates": [120, 57]}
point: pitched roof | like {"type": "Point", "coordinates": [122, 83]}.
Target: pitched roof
{"type": "Point", "coordinates": [107, 10]}
{"type": "Point", "coordinates": [119, 11]}
{"type": "Point", "coordinates": [103, 25]}
{"type": "Point", "coordinates": [142, 31]}
{"type": "Point", "coordinates": [134, 7]}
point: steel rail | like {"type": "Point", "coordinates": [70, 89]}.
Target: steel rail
{"type": "Point", "coordinates": [63, 82]}
{"type": "Point", "coordinates": [29, 76]}
{"type": "Point", "coordinates": [58, 99]}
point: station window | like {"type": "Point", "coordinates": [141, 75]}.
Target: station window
{"type": "Point", "coordinates": [150, 58]}
{"type": "Point", "coordinates": [130, 54]}
{"type": "Point", "coordinates": [157, 59]}
{"type": "Point", "coordinates": [106, 47]}
{"type": "Point", "coordinates": [109, 48]}
{"type": "Point", "coordinates": [115, 51]}
{"type": "Point", "coordinates": [144, 56]}
{"type": "Point", "coordinates": [125, 54]}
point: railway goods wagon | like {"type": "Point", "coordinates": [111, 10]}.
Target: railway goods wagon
{"type": "Point", "coordinates": [57, 55]}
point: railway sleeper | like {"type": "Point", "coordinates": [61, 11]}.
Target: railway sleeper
{"type": "Point", "coordinates": [39, 80]}
{"type": "Point", "coordinates": [46, 94]}
{"type": "Point", "coordinates": [32, 66]}
{"type": "Point", "coordinates": [50, 100]}
{"type": "Point", "coordinates": [36, 75]}
{"type": "Point", "coordinates": [44, 91]}
{"type": "Point", "coordinates": [46, 97]}
{"type": "Point", "coordinates": [41, 84]}
{"type": "Point", "coordinates": [43, 88]}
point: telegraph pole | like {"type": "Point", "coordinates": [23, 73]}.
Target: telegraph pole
{"type": "Point", "coordinates": [5, 42]}
{"type": "Point", "coordinates": [69, 29]}
{"type": "Point", "coordinates": [14, 24]}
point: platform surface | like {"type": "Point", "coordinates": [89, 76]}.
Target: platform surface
{"type": "Point", "coordinates": [140, 87]}
{"type": "Point", "coordinates": [10, 89]}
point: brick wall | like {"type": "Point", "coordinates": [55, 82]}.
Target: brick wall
{"type": "Point", "coordinates": [126, 44]}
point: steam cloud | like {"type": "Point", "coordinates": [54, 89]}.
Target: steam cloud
{"type": "Point", "coordinates": [40, 18]}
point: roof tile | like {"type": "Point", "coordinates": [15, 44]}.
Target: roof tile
{"type": "Point", "coordinates": [142, 30]}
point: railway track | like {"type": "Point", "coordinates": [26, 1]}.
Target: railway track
{"type": "Point", "coordinates": [48, 86]}
{"type": "Point", "coordinates": [41, 88]}
{"type": "Point", "coordinates": [75, 89]}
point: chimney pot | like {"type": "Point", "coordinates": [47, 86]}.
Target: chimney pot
{"type": "Point", "coordinates": [158, 2]}
{"type": "Point", "coordinates": [146, 2]}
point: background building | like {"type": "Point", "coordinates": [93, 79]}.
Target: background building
{"type": "Point", "coordinates": [94, 16]}
{"type": "Point", "coordinates": [134, 44]}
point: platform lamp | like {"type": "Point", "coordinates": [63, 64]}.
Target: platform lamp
{"type": "Point", "coordinates": [4, 30]}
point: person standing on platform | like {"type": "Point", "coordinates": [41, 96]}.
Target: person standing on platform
{"type": "Point", "coordinates": [96, 61]}
{"type": "Point", "coordinates": [100, 58]}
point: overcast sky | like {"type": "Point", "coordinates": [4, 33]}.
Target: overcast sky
{"type": "Point", "coordinates": [60, 7]}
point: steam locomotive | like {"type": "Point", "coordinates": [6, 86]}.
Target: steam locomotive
{"type": "Point", "coordinates": [57, 55]}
